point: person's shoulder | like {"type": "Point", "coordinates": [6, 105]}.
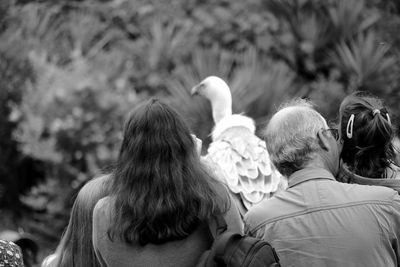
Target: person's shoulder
{"type": "Point", "coordinates": [102, 214]}
{"type": "Point", "coordinates": [103, 206]}
{"type": "Point", "coordinates": [103, 178]}
{"type": "Point", "coordinates": [370, 192]}
{"type": "Point", "coordinates": [50, 260]}
{"type": "Point", "coordinates": [98, 180]}
{"type": "Point", "coordinates": [266, 210]}
{"type": "Point", "coordinates": [220, 188]}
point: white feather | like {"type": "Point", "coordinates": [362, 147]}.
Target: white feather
{"type": "Point", "coordinates": [242, 158]}
{"type": "Point", "coordinates": [235, 120]}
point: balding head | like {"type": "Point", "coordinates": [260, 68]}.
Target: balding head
{"type": "Point", "coordinates": [291, 136]}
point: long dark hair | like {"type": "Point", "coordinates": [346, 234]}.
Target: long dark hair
{"type": "Point", "coordinates": [369, 152]}
{"type": "Point", "coordinates": [162, 191]}
{"type": "Point", "coordinates": [76, 247]}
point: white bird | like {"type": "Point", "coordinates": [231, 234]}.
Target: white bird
{"type": "Point", "coordinates": [241, 156]}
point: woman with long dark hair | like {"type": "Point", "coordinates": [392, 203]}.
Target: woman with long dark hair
{"type": "Point", "coordinates": [162, 196]}
{"type": "Point", "coordinates": [367, 134]}
{"type": "Point", "coordinates": [75, 248]}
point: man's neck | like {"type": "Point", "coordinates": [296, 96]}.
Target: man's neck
{"type": "Point", "coordinates": [316, 162]}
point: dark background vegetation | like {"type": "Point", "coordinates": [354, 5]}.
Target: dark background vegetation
{"type": "Point", "coordinates": [70, 71]}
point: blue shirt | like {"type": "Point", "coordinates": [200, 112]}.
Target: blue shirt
{"type": "Point", "coordinates": [318, 221]}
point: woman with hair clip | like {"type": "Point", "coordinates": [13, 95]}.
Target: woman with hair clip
{"type": "Point", "coordinates": [367, 136]}
{"type": "Point", "coordinates": [162, 196]}
{"type": "Point", "coordinates": [396, 145]}
{"type": "Point", "coordinates": [75, 248]}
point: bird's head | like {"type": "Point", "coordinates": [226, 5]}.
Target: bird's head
{"type": "Point", "coordinates": [217, 91]}
{"type": "Point", "coordinates": [212, 87]}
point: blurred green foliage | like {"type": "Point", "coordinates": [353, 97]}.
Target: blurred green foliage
{"type": "Point", "coordinates": [72, 70]}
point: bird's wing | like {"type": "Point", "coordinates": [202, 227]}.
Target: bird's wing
{"type": "Point", "coordinates": [244, 159]}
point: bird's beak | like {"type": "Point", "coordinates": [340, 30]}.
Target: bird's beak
{"type": "Point", "coordinates": [195, 90]}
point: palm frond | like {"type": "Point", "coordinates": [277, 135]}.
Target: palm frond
{"type": "Point", "coordinates": [275, 86]}
{"type": "Point", "coordinates": [166, 42]}
{"type": "Point", "coordinates": [364, 61]}
{"type": "Point", "coordinates": [195, 110]}
{"type": "Point", "coordinates": [349, 18]}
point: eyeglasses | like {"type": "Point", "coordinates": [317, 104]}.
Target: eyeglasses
{"type": "Point", "coordinates": [334, 132]}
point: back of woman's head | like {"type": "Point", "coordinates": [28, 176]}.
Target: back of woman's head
{"type": "Point", "coordinates": [76, 248]}
{"type": "Point", "coordinates": [162, 191]}
{"type": "Point", "coordinates": [367, 134]}
{"type": "Point", "coordinates": [396, 145]}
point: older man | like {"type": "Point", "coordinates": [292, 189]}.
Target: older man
{"type": "Point", "coordinates": [318, 221]}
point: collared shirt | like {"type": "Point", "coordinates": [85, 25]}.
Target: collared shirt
{"type": "Point", "coordinates": [318, 221]}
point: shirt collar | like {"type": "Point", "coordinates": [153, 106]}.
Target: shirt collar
{"type": "Point", "coordinates": [309, 174]}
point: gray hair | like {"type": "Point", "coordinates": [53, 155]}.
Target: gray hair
{"type": "Point", "coordinates": [291, 135]}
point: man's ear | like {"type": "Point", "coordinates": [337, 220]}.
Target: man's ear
{"type": "Point", "coordinates": [323, 139]}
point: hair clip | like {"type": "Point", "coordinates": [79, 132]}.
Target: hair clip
{"type": "Point", "coordinates": [376, 111]}
{"type": "Point", "coordinates": [388, 119]}
{"type": "Point", "coordinates": [349, 128]}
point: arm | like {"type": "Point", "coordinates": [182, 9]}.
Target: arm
{"type": "Point", "coordinates": [233, 218]}
{"type": "Point", "coordinates": [98, 218]}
